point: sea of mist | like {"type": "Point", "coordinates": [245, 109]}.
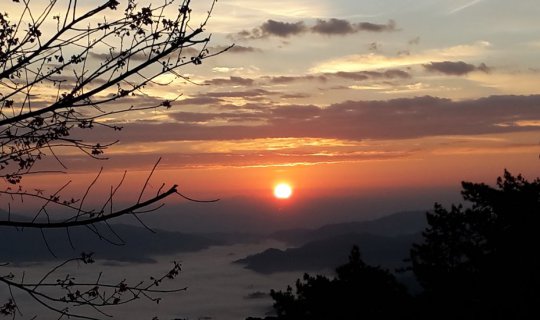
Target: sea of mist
{"type": "Point", "coordinates": [217, 289]}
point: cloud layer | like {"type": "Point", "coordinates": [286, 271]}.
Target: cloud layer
{"type": "Point", "coordinates": [351, 120]}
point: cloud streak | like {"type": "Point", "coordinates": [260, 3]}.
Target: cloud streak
{"type": "Point", "coordinates": [465, 6]}
{"type": "Point", "coordinates": [389, 74]}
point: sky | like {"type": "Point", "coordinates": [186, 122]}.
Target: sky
{"type": "Point", "coordinates": [358, 99]}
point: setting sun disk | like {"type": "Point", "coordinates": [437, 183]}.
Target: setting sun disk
{"type": "Point", "coordinates": [282, 191]}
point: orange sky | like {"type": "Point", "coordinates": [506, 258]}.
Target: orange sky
{"type": "Point", "coordinates": [339, 98]}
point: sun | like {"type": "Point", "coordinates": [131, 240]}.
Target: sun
{"type": "Point", "coordinates": [282, 191]}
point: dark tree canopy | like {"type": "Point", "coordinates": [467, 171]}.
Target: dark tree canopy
{"type": "Point", "coordinates": [483, 261]}
{"type": "Point", "coordinates": [358, 291]}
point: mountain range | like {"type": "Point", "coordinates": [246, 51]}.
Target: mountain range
{"type": "Point", "coordinates": [119, 242]}
{"type": "Point", "coordinates": [385, 242]}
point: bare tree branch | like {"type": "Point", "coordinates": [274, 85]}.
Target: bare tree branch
{"type": "Point", "coordinates": [87, 65]}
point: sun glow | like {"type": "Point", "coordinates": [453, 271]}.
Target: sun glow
{"type": "Point", "coordinates": [282, 191]}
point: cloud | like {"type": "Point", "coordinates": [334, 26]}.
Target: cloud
{"type": "Point", "coordinates": [232, 81]}
{"type": "Point", "coordinates": [243, 49]}
{"type": "Point", "coordinates": [373, 27]}
{"type": "Point", "coordinates": [289, 79]}
{"type": "Point", "coordinates": [367, 75]}
{"type": "Point", "coordinates": [265, 135]}
{"type": "Point", "coordinates": [373, 61]}
{"type": "Point", "coordinates": [277, 28]}
{"type": "Point", "coordinates": [295, 96]}
{"type": "Point", "coordinates": [290, 112]}
{"type": "Point", "coordinates": [509, 82]}
{"type": "Point", "coordinates": [356, 76]}
{"type": "Point", "coordinates": [342, 27]}
{"type": "Point", "coordinates": [241, 94]}
{"type": "Point", "coordinates": [197, 117]}
{"type": "Point", "coordinates": [457, 68]}
{"type": "Point", "coordinates": [198, 101]}
{"type": "Point", "coordinates": [351, 120]}
{"type": "Point", "coordinates": [324, 27]}
{"type": "Point", "coordinates": [333, 26]}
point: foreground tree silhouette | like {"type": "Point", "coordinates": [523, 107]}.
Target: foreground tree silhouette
{"type": "Point", "coordinates": [483, 261]}
{"type": "Point", "coordinates": [56, 86]}
{"type": "Point", "coordinates": [358, 291]}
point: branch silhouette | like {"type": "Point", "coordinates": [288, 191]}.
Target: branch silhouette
{"type": "Point", "coordinates": [59, 84]}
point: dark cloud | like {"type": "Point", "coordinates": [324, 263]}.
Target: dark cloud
{"type": "Point", "coordinates": [289, 112]}
{"type": "Point", "coordinates": [272, 28]}
{"type": "Point", "coordinates": [357, 76]}
{"type": "Point", "coordinates": [325, 27]}
{"type": "Point", "coordinates": [282, 29]}
{"type": "Point", "coordinates": [202, 100]}
{"type": "Point", "coordinates": [455, 68]}
{"type": "Point", "coordinates": [241, 94]}
{"type": "Point", "coordinates": [231, 81]}
{"type": "Point", "coordinates": [196, 117]}
{"type": "Point", "coordinates": [394, 73]}
{"type": "Point", "coordinates": [141, 56]}
{"type": "Point", "coordinates": [373, 27]}
{"type": "Point", "coordinates": [367, 75]}
{"type": "Point", "coordinates": [289, 79]}
{"type": "Point", "coordinates": [284, 79]}
{"type": "Point", "coordinates": [248, 107]}
{"type": "Point", "coordinates": [295, 96]}
{"type": "Point", "coordinates": [333, 26]}
{"type": "Point", "coordinates": [355, 120]}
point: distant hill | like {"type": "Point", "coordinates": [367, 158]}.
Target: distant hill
{"type": "Point", "coordinates": [401, 223]}
{"type": "Point", "coordinates": [385, 241]}
{"type": "Point", "coordinates": [328, 253]}
{"type": "Point", "coordinates": [133, 243]}
{"type": "Point", "coordinates": [322, 247]}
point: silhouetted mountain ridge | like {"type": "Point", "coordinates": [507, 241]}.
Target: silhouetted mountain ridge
{"type": "Point", "coordinates": [401, 223]}
{"type": "Point", "coordinates": [121, 243]}
{"type": "Point", "coordinates": [387, 252]}
{"type": "Point", "coordinates": [385, 241]}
